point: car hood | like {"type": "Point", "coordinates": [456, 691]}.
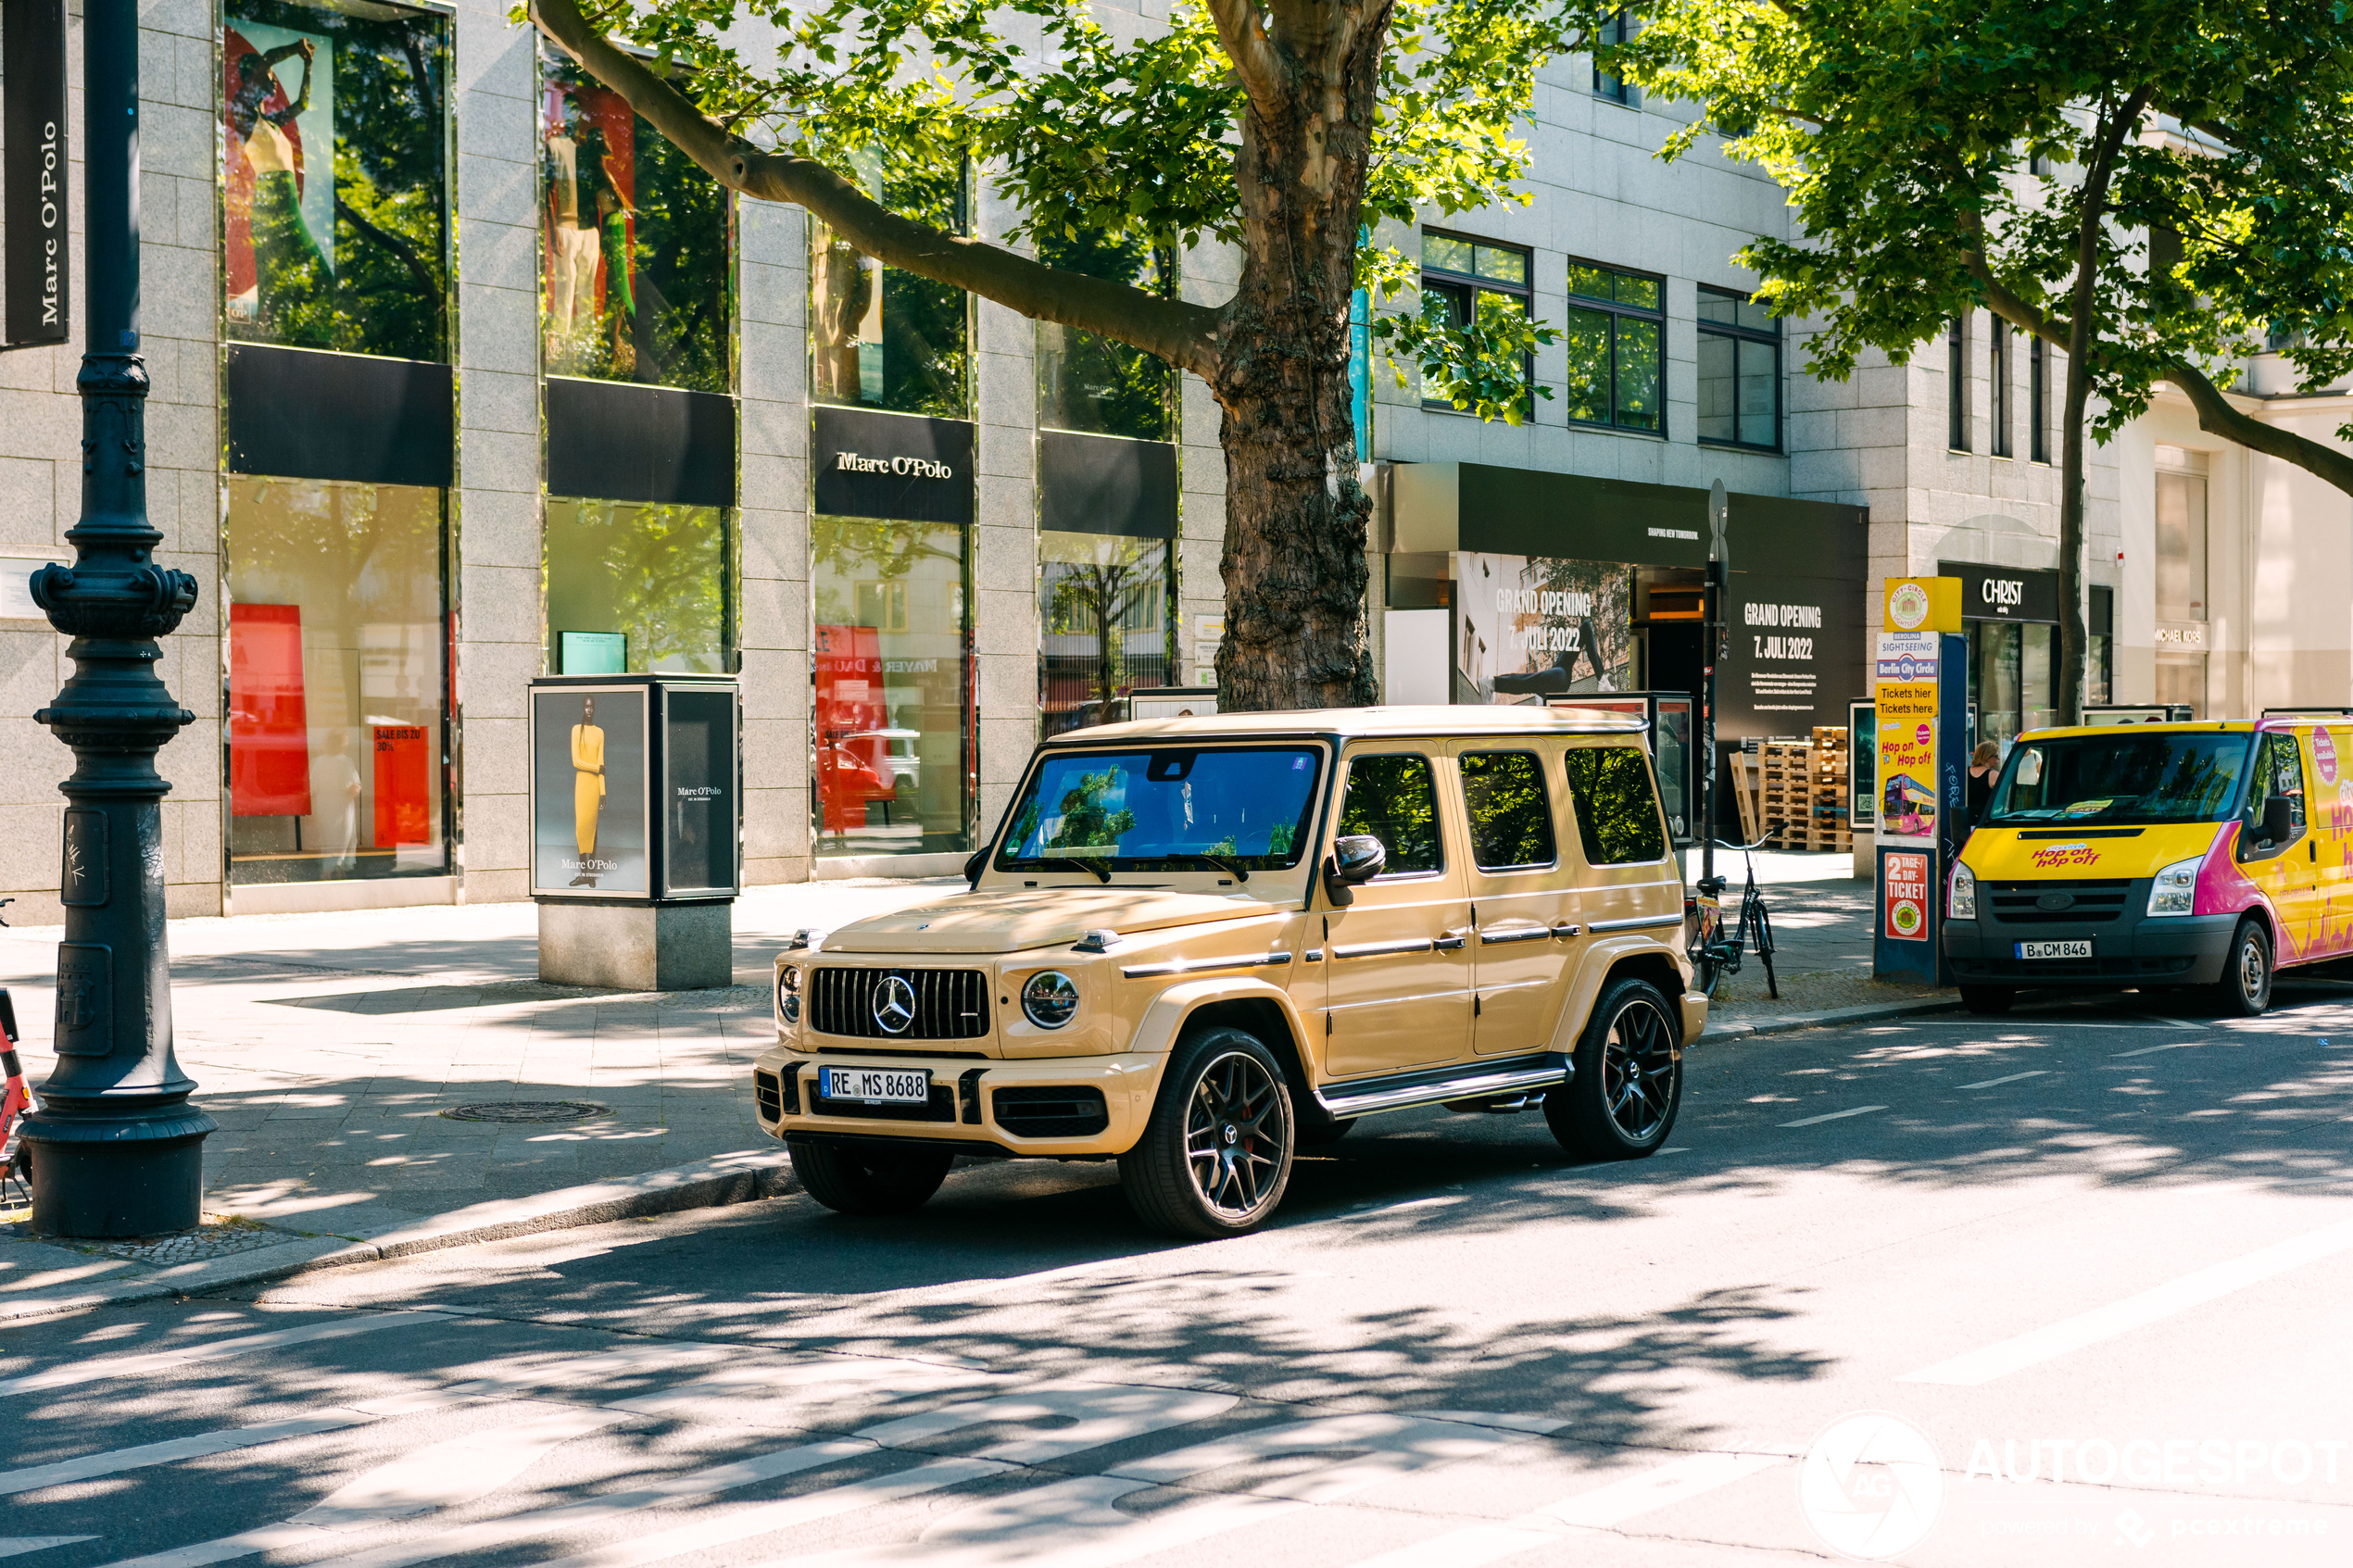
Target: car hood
{"type": "Point", "coordinates": [2054, 854]}
{"type": "Point", "coordinates": [1009, 922]}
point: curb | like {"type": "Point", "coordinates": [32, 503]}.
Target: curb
{"type": "Point", "coordinates": [741, 1177]}
{"type": "Point", "coordinates": [1791, 1023]}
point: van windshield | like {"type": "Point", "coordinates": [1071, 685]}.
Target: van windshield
{"type": "Point", "coordinates": [2129, 776]}
{"type": "Point", "coordinates": [1179, 809]}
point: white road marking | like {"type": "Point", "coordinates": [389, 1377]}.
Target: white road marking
{"type": "Point", "coordinates": [2144, 1050]}
{"type": "Point", "coordinates": [90, 1466]}
{"type": "Point", "coordinates": [2015, 1077]}
{"type": "Point", "coordinates": [1834, 1116]}
{"type": "Point", "coordinates": [1599, 1508]}
{"type": "Point", "coordinates": [2208, 1283]}
{"type": "Point", "coordinates": [66, 1375]}
{"type": "Point", "coordinates": [13, 1546]}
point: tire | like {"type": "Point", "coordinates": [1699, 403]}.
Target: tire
{"type": "Point", "coordinates": [1988, 998]}
{"type": "Point", "coordinates": [1216, 1154]}
{"type": "Point", "coordinates": [2245, 990]}
{"type": "Point", "coordinates": [868, 1178]}
{"type": "Point", "coordinates": [1629, 1085]}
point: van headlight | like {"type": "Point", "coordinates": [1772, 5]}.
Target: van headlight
{"type": "Point", "coordinates": [1961, 902]}
{"type": "Point", "coordinates": [789, 994]}
{"type": "Point", "coordinates": [1049, 998]}
{"type": "Point", "coordinates": [2175, 890]}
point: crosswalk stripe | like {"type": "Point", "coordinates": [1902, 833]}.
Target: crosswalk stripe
{"type": "Point", "coordinates": [34, 1477]}
{"type": "Point", "coordinates": [12, 1546]}
{"type": "Point", "coordinates": [69, 1374]}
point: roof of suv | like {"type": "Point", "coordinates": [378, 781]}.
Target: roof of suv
{"type": "Point", "coordinates": [1349, 723]}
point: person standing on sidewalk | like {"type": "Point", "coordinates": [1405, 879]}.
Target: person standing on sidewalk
{"type": "Point", "coordinates": [1983, 764]}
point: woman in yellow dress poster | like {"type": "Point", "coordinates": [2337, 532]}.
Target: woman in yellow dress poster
{"type": "Point", "coordinates": [587, 786]}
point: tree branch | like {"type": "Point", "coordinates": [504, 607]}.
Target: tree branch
{"type": "Point", "coordinates": [2215, 414]}
{"type": "Point", "coordinates": [1182, 334]}
{"type": "Point", "coordinates": [1253, 53]}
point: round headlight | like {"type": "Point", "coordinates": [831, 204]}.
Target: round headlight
{"type": "Point", "coordinates": [790, 1010]}
{"type": "Point", "coordinates": [1050, 999]}
{"type": "Point", "coordinates": [788, 979]}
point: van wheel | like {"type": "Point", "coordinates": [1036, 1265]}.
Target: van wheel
{"type": "Point", "coordinates": [871, 1178]}
{"type": "Point", "coordinates": [1988, 998]}
{"type": "Point", "coordinates": [1216, 1154]}
{"type": "Point", "coordinates": [1629, 1085]}
{"type": "Point", "coordinates": [2245, 990]}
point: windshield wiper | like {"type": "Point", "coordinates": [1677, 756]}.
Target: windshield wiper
{"type": "Point", "coordinates": [1223, 862]}
{"type": "Point", "coordinates": [1097, 867]}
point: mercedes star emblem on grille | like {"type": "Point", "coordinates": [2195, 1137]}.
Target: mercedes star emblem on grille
{"type": "Point", "coordinates": [894, 1005]}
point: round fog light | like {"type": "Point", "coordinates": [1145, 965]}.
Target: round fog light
{"type": "Point", "coordinates": [1049, 998]}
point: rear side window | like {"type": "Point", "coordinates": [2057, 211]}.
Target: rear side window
{"type": "Point", "coordinates": [1511, 822]}
{"type": "Point", "coordinates": [1616, 806]}
{"type": "Point", "coordinates": [1393, 798]}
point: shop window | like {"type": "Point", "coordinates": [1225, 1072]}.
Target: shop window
{"type": "Point", "coordinates": [1618, 28]}
{"type": "Point", "coordinates": [894, 687]}
{"type": "Point", "coordinates": [636, 266]}
{"type": "Point", "coordinates": [1092, 384]}
{"type": "Point", "coordinates": [1998, 387]}
{"type": "Point", "coordinates": [1105, 603]}
{"type": "Point", "coordinates": [1618, 820]}
{"type": "Point", "coordinates": [2038, 401]}
{"type": "Point", "coordinates": [636, 587]}
{"type": "Point", "coordinates": [2012, 677]}
{"type": "Point", "coordinates": [2099, 661]}
{"type": "Point", "coordinates": [1740, 371]}
{"type": "Point", "coordinates": [880, 337]}
{"type": "Point", "coordinates": [2180, 541]}
{"type": "Point", "coordinates": [336, 685]}
{"type": "Point", "coordinates": [1511, 820]}
{"type": "Point", "coordinates": [1957, 383]}
{"type": "Point", "coordinates": [334, 184]}
{"type": "Point", "coordinates": [1457, 273]}
{"type": "Point", "coordinates": [1613, 328]}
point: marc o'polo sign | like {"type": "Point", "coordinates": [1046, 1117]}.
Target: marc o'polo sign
{"type": "Point", "coordinates": [896, 466]}
{"type": "Point", "coordinates": [32, 209]}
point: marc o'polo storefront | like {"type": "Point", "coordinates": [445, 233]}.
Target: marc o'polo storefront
{"type": "Point", "coordinates": [1510, 586]}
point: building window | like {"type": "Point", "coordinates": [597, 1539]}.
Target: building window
{"type": "Point", "coordinates": [337, 690]}
{"type": "Point", "coordinates": [1998, 397]}
{"type": "Point", "coordinates": [1092, 384]}
{"type": "Point", "coordinates": [2038, 400]}
{"type": "Point", "coordinates": [894, 692]}
{"type": "Point", "coordinates": [636, 587]}
{"type": "Point", "coordinates": [1607, 84]}
{"type": "Point", "coordinates": [635, 269]}
{"type": "Point", "coordinates": [1106, 604]}
{"type": "Point", "coordinates": [1457, 272]}
{"type": "Point", "coordinates": [1613, 327]}
{"type": "Point", "coordinates": [2180, 534]}
{"type": "Point", "coordinates": [1956, 384]}
{"type": "Point", "coordinates": [2099, 654]}
{"type": "Point", "coordinates": [1740, 371]}
{"type": "Point", "coordinates": [333, 136]}
{"type": "Point", "coordinates": [880, 337]}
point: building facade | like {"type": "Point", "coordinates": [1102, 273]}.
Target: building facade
{"type": "Point", "coordinates": [464, 376]}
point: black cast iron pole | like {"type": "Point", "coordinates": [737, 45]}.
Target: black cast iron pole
{"type": "Point", "coordinates": [116, 1149]}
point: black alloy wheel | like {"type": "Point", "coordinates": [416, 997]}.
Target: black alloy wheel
{"type": "Point", "coordinates": [1216, 1155]}
{"type": "Point", "coordinates": [868, 1178]}
{"type": "Point", "coordinates": [2245, 990]}
{"type": "Point", "coordinates": [1629, 1085]}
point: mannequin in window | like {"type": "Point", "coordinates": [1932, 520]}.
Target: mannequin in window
{"type": "Point", "coordinates": [587, 786]}
{"type": "Point", "coordinates": [572, 240]}
{"type": "Point", "coordinates": [612, 210]}
{"type": "Point", "coordinates": [290, 271]}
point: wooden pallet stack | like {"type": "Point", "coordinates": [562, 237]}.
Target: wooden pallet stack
{"type": "Point", "coordinates": [1828, 827]}
{"type": "Point", "coordinates": [1801, 792]}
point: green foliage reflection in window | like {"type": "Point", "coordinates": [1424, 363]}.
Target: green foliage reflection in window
{"type": "Point", "coordinates": [656, 574]}
{"type": "Point", "coordinates": [1392, 797]}
{"type": "Point", "coordinates": [1511, 822]}
{"type": "Point", "coordinates": [1613, 329]}
{"type": "Point", "coordinates": [880, 337]}
{"type": "Point", "coordinates": [1090, 383]}
{"type": "Point", "coordinates": [1617, 805]}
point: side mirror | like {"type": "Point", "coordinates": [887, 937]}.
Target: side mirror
{"type": "Point", "coordinates": [974, 865]}
{"type": "Point", "coordinates": [1358, 858]}
{"type": "Point", "coordinates": [2278, 825]}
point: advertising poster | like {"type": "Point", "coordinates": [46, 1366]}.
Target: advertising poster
{"type": "Point", "coordinates": [269, 725]}
{"type": "Point", "coordinates": [588, 784]}
{"type": "Point", "coordinates": [277, 143]}
{"type": "Point", "coordinates": [1541, 626]}
{"type": "Point", "coordinates": [1906, 900]}
{"type": "Point", "coordinates": [404, 783]}
{"type": "Point", "coordinates": [1905, 672]}
{"type": "Point", "coordinates": [700, 817]}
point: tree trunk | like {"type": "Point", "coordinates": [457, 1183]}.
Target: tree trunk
{"type": "Point", "coordinates": [1296, 518]}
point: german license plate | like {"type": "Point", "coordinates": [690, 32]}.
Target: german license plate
{"type": "Point", "coordinates": [875, 1086]}
{"type": "Point", "coordinates": [2079, 948]}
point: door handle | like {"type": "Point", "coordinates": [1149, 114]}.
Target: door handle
{"type": "Point", "coordinates": [1451, 941]}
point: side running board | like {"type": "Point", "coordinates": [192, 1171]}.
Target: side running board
{"type": "Point", "coordinates": [1398, 1091]}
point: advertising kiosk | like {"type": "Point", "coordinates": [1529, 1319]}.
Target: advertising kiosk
{"type": "Point", "coordinates": [1921, 753]}
{"type": "Point", "coordinates": [636, 829]}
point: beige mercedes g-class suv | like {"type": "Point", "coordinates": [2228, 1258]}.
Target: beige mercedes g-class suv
{"type": "Point", "coordinates": [1196, 945]}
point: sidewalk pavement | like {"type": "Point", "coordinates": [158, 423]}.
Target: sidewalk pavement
{"type": "Point", "coordinates": [333, 1049]}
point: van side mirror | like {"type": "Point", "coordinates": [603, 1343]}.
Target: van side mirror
{"type": "Point", "coordinates": [2278, 825]}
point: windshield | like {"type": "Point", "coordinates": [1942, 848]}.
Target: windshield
{"type": "Point", "coordinates": [1165, 810]}
{"type": "Point", "coordinates": [2131, 776]}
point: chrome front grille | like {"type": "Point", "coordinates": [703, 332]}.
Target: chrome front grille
{"type": "Point", "coordinates": [948, 1004]}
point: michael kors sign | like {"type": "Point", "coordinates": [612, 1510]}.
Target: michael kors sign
{"type": "Point", "coordinates": [902, 467]}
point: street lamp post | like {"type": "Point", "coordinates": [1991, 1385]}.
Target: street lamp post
{"type": "Point", "coordinates": [116, 1149]}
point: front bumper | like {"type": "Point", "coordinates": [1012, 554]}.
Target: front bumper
{"type": "Point", "coordinates": [2132, 949]}
{"type": "Point", "coordinates": [1052, 1107]}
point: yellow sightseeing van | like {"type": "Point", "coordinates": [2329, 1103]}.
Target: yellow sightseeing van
{"type": "Point", "coordinates": [2159, 855]}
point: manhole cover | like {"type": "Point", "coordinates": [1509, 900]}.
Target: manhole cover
{"type": "Point", "coordinates": [527, 1111]}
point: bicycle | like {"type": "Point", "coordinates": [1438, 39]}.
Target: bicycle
{"type": "Point", "coordinates": [16, 1164]}
{"type": "Point", "coordinates": [1714, 956]}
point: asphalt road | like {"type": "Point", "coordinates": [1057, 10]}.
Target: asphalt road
{"type": "Point", "coordinates": [2092, 1263]}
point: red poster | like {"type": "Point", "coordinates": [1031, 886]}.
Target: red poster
{"type": "Point", "coordinates": [850, 713]}
{"type": "Point", "coordinates": [1905, 897]}
{"type": "Point", "coordinates": [269, 736]}
{"type": "Point", "coordinates": [403, 771]}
